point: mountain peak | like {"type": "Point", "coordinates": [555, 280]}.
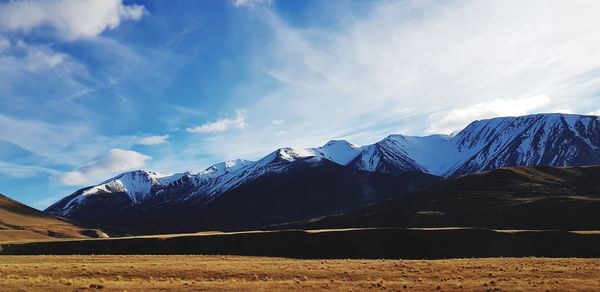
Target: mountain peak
{"type": "Point", "coordinates": [292, 154]}
{"type": "Point", "coordinates": [339, 151]}
{"type": "Point", "coordinates": [541, 139]}
{"type": "Point", "coordinates": [226, 166]}
{"type": "Point", "coordinates": [544, 116]}
{"type": "Point", "coordinates": [339, 143]}
{"type": "Point", "coordinates": [394, 137]}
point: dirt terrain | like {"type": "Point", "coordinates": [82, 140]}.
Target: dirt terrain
{"type": "Point", "coordinates": [187, 273]}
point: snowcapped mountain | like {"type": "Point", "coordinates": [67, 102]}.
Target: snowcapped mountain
{"type": "Point", "coordinates": [544, 139]}
{"type": "Point", "coordinates": [388, 155]}
{"type": "Point", "coordinates": [534, 140]}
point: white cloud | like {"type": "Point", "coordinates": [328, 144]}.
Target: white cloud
{"type": "Point", "coordinates": [390, 68]}
{"type": "Point", "coordinates": [277, 122]}
{"type": "Point", "coordinates": [71, 19]}
{"type": "Point", "coordinates": [153, 140]}
{"type": "Point", "coordinates": [39, 58]}
{"type": "Point", "coordinates": [111, 163]}
{"type": "Point", "coordinates": [31, 58]}
{"type": "Point", "coordinates": [456, 119]}
{"type": "Point", "coordinates": [239, 122]}
{"type": "Point", "coordinates": [252, 3]}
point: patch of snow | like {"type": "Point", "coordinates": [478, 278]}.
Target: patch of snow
{"type": "Point", "coordinates": [339, 151]}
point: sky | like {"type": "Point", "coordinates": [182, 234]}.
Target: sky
{"type": "Point", "coordinates": [93, 88]}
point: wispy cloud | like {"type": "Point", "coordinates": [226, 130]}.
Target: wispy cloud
{"type": "Point", "coordinates": [456, 119]}
{"type": "Point", "coordinates": [23, 171]}
{"type": "Point", "coordinates": [239, 122]}
{"type": "Point", "coordinates": [111, 163]}
{"type": "Point", "coordinates": [56, 75]}
{"type": "Point", "coordinates": [71, 19]}
{"type": "Point", "coordinates": [404, 61]}
{"type": "Point", "coordinates": [40, 58]}
{"type": "Point", "coordinates": [53, 143]}
{"type": "Point", "coordinates": [43, 139]}
{"type": "Point", "coordinates": [152, 140]}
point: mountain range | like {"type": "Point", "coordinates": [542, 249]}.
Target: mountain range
{"type": "Point", "coordinates": [294, 184]}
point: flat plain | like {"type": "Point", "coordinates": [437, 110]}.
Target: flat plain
{"type": "Point", "coordinates": [193, 273]}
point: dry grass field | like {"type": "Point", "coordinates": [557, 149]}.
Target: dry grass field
{"type": "Point", "coordinates": [193, 273]}
{"type": "Point", "coordinates": [21, 223]}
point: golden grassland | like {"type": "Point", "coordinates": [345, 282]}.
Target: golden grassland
{"type": "Point", "coordinates": [21, 223]}
{"type": "Point", "coordinates": [193, 273]}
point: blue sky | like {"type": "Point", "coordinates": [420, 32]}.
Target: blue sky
{"type": "Point", "coordinates": [92, 88]}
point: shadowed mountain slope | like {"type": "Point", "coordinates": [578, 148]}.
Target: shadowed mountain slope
{"type": "Point", "coordinates": [305, 190]}
{"type": "Point", "coordinates": [565, 198]}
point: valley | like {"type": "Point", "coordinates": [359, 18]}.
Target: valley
{"type": "Point", "coordinates": [397, 214]}
{"type": "Point", "coordinates": [355, 243]}
{"type": "Point", "coordinates": [307, 145]}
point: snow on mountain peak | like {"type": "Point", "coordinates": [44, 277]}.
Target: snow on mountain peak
{"type": "Point", "coordinates": [339, 143]}
{"type": "Point", "coordinates": [292, 154]}
{"type": "Point", "coordinates": [137, 184]}
{"type": "Point", "coordinates": [224, 167]}
{"type": "Point", "coordinates": [339, 151]}
{"type": "Point", "coordinates": [540, 139]}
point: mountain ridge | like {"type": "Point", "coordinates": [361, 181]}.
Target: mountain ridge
{"type": "Point", "coordinates": [532, 140]}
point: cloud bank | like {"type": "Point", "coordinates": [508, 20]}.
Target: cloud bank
{"type": "Point", "coordinates": [109, 164]}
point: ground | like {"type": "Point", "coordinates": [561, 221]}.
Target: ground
{"type": "Point", "coordinates": [187, 273]}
